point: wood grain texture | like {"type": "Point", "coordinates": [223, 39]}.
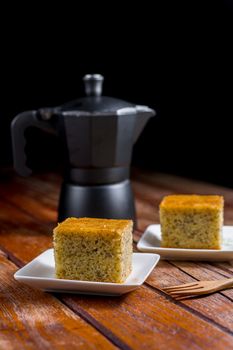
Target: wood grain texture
{"type": "Point", "coordinates": [21, 235]}
{"type": "Point", "coordinates": [24, 252]}
{"type": "Point", "coordinates": [36, 196]}
{"type": "Point", "coordinates": [30, 319]}
{"type": "Point", "coordinates": [146, 318]}
{"type": "Point", "coordinates": [180, 272]}
{"type": "Point", "coordinates": [207, 307]}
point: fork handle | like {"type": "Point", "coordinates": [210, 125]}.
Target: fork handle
{"type": "Point", "coordinates": [228, 282]}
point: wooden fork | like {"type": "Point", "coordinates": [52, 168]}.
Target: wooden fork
{"type": "Point", "coordinates": [188, 290]}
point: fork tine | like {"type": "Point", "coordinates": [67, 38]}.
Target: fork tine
{"type": "Point", "coordinates": [188, 291]}
{"type": "Point", "coordinates": [181, 286]}
{"type": "Point", "coordinates": [191, 288]}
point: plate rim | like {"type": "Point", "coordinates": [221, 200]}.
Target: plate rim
{"type": "Point", "coordinates": [19, 277]}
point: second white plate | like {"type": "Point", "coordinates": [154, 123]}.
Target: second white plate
{"type": "Point", "coordinates": [151, 240]}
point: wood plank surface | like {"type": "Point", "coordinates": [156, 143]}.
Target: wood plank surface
{"type": "Point", "coordinates": [39, 238]}
{"type": "Point", "coordinates": [31, 319]}
{"type": "Point", "coordinates": [137, 319]}
{"type": "Point", "coordinates": [207, 307]}
{"type": "Point", "coordinates": [145, 319]}
{"type": "Point", "coordinates": [38, 197]}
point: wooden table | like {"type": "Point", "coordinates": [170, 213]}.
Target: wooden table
{"type": "Point", "coordinates": [144, 319]}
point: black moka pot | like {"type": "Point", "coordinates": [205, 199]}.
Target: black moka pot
{"type": "Point", "coordinates": [98, 134]}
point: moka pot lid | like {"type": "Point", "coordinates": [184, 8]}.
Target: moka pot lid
{"type": "Point", "coordinates": [94, 104]}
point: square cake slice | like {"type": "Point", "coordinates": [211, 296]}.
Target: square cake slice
{"type": "Point", "coordinates": [191, 221]}
{"type": "Point", "coordinates": [91, 249]}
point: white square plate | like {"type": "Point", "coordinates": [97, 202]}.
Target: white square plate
{"type": "Point", "coordinates": [40, 274]}
{"type": "Point", "coordinates": [151, 239]}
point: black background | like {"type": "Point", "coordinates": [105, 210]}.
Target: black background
{"type": "Point", "coordinates": [175, 57]}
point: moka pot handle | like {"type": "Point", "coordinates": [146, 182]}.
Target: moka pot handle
{"type": "Point", "coordinates": [18, 127]}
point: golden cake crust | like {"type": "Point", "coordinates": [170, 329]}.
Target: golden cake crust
{"type": "Point", "coordinates": [192, 202]}
{"type": "Point", "coordinates": [89, 226]}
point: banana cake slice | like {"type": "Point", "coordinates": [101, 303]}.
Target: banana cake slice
{"type": "Point", "coordinates": [93, 249]}
{"type": "Point", "coordinates": [191, 221]}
